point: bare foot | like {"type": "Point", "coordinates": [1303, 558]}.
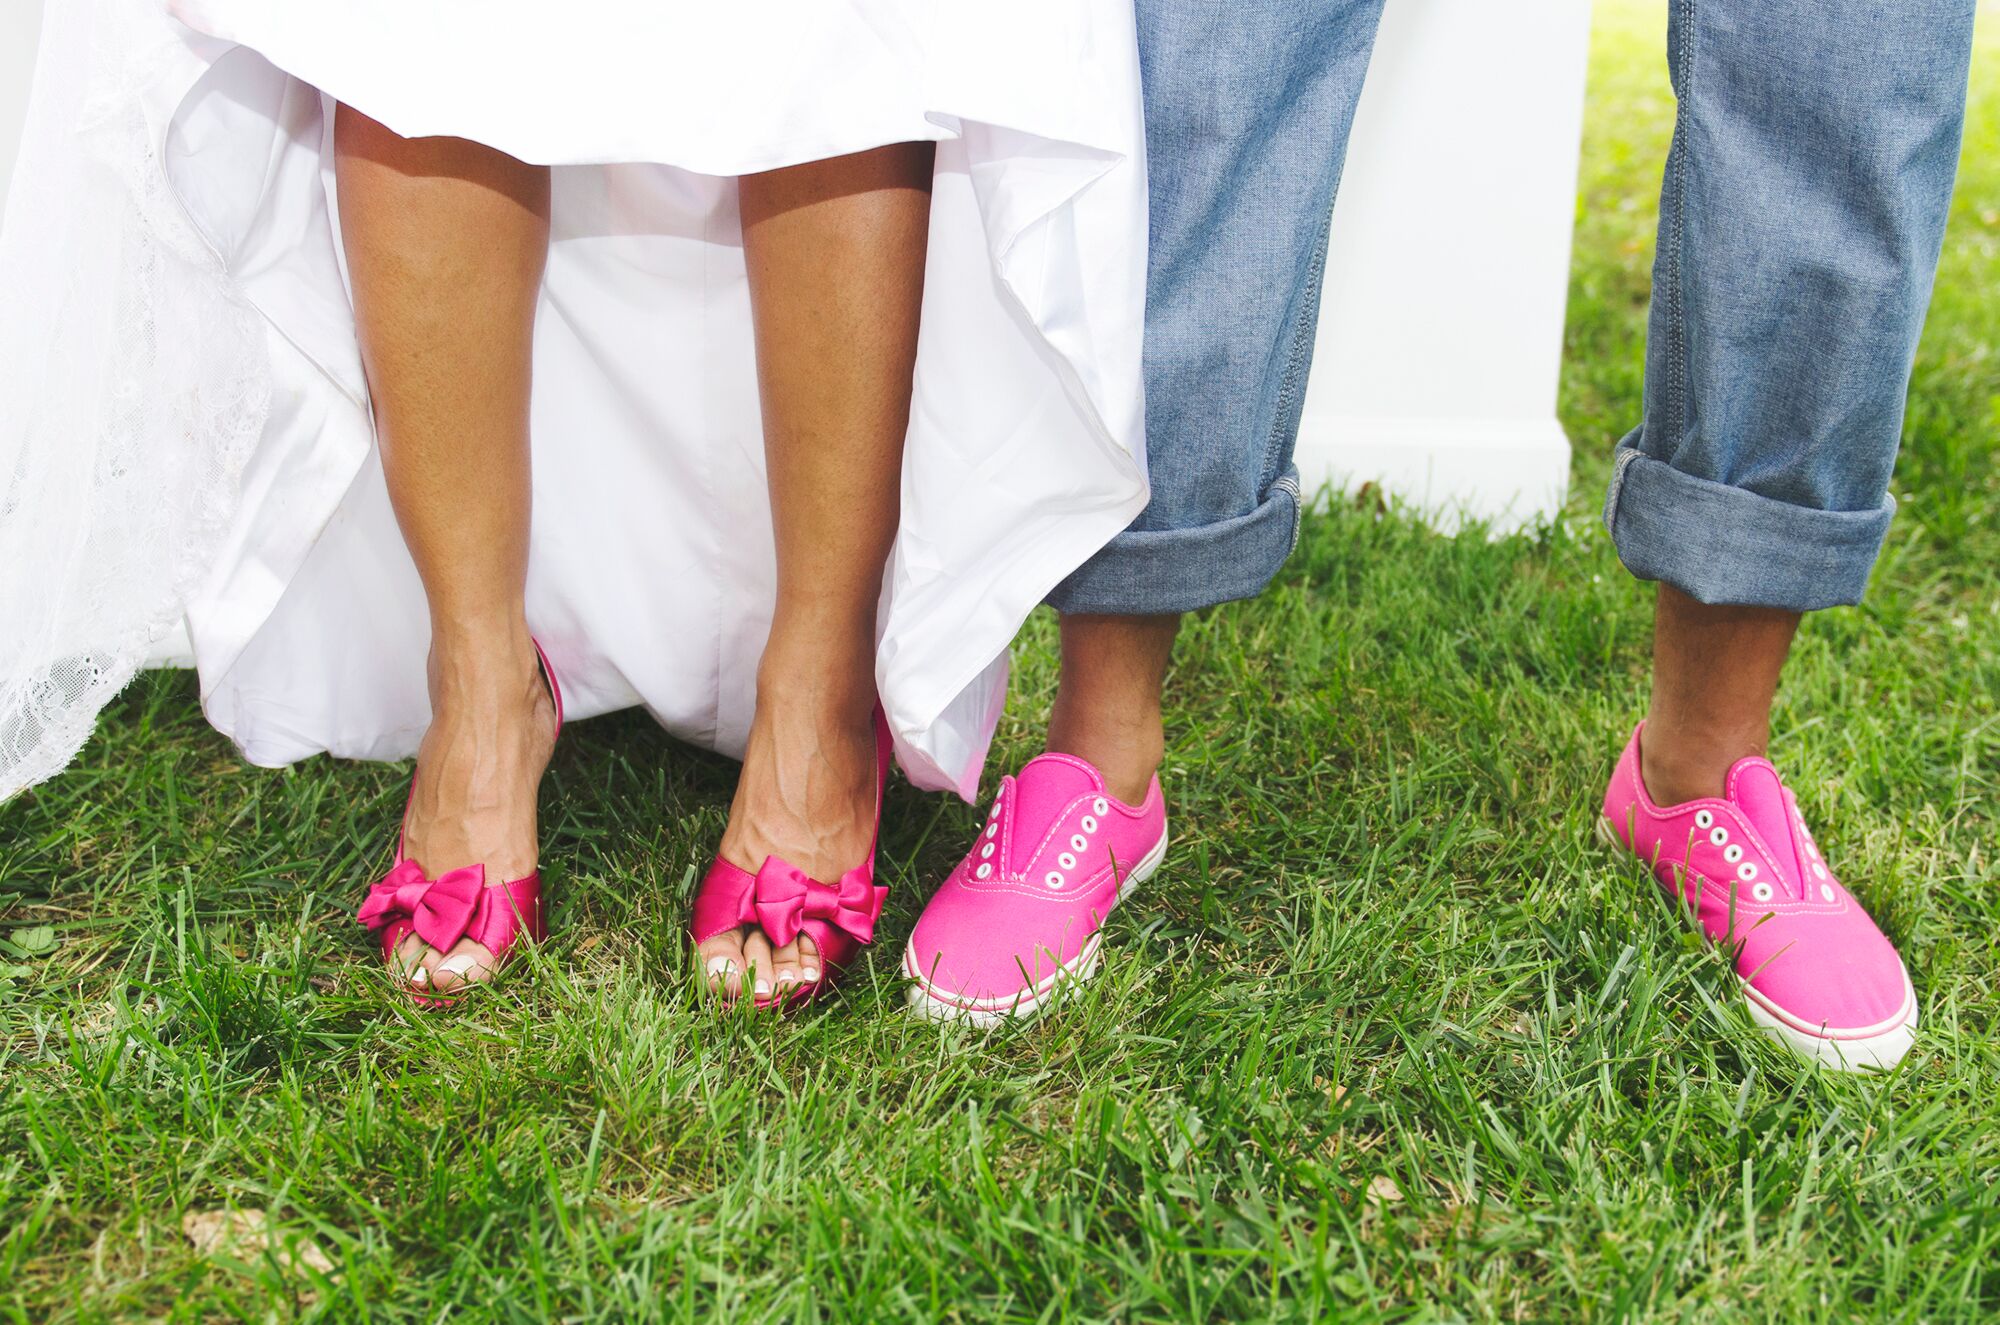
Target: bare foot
{"type": "Point", "coordinates": [479, 770]}
{"type": "Point", "coordinates": [806, 795]}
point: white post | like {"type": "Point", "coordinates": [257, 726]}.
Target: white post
{"type": "Point", "coordinates": [1440, 334]}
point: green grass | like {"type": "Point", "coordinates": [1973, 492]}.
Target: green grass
{"type": "Point", "coordinates": [1388, 1036]}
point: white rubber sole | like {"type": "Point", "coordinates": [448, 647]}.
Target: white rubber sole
{"type": "Point", "coordinates": [1865, 1049]}
{"type": "Point", "coordinates": [933, 1003]}
{"type": "Point", "coordinates": [1872, 1049]}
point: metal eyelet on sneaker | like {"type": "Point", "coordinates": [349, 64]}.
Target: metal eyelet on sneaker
{"type": "Point", "coordinates": [1762, 892]}
{"type": "Point", "coordinates": [1100, 805]}
{"type": "Point", "coordinates": [1746, 871]}
{"type": "Point", "coordinates": [1732, 853]}
{"type": "Point", "coordinates": [1826, 892]}
{"type": "Point", "coordinates": [1819, 870]}
{"type": "Point", "coordinates": [986, 851]}
{"type": "Point", "coordinates": [1702, 819]}
{"type": "Point", "coordinates": [1078, 842]}
{"type": "Point", "coordinates": [1053, 878]}
{"type": "Point", "coordinates": [982, 872]}
{"type": "Point", "coordinates": [1066, 860]}
{"type": "Point", "coordinates": [1720, 836]}
{"type": "Point", "coordinates": [1089, 824]}
{"type": "Point", "coordinates": [993, 828]}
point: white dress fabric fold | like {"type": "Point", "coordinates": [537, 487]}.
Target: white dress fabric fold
{"type": "Point", "coordinates": [185, 436]}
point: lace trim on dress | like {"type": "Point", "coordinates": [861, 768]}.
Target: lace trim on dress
{"type": "Point", "coordinates": [136, 386]}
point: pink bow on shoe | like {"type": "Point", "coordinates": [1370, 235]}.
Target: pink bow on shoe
{"type": "Point", "coordinates": [784, 898]}
{"type": "Point", "coordinates": [439, 910]}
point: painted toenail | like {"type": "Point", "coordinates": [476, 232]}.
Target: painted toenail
{"type": "Point", "coordinates": [721, 966]}
{"type": "Point", "coordinates": [458, 965]}
{"type": "Point", "coordinates": [420, 976]}
{"type": "Point", "coordinates": [810, 974]}
{"type": "Point", "coordinates": [762, 987]}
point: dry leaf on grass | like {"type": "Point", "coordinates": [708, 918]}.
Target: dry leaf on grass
{"type": "Point", "coordinates": [95, 1022]}
{"type": "Point", "coordinates": [1382, 1190]}
{"type": "Point", "coordinates": [248, 1234]}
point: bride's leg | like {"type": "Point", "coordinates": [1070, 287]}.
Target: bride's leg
{"type": "Point", "coordinates": [445, 244]}
{"type": "Point", "coordinates": [836, 261]}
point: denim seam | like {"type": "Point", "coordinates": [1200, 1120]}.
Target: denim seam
{"type": "Point", "coordinates": [1676, 323]}
{"type": "Point", "coordinates": [1302, 338]}
{"type": "Point", "coordinates": [1289, 483]}
{"type": "Point", "coordinates": [1621, 464]}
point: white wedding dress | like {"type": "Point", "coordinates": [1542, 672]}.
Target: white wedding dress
{"type": "Point", "coordinates": [185, 440]}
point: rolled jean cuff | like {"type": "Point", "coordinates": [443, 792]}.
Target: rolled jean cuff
{"type": "Point", "coordinates": [1145, 572]}
{"type": "Point", "coordinates": [1719, 544]}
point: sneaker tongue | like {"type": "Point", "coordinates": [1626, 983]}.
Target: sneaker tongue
{"type": "Point", "coordinates": [1043, 787]}
{"type": "Point", "coordinates": [1761, 797]}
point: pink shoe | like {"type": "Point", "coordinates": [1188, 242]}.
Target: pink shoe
{"type": "Point", "coordinates": [779, 899]}
{"type": "Point", "coordinates": [1816, 973]}
{"type": "Point", "coordinates": [1020, 919]}
{"type": "Point", "coordinates": [457, 904]}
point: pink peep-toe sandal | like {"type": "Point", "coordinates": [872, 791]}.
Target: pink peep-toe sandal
{"type": "Point", "coordinates": [784, 902]}
{"type": "Point", "coordinates": [457, 904]}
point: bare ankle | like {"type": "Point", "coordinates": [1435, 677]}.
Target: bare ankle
{"type": "Point", "coordinates": [490, 676]}
{"type": "Point", "coordinates": [1107, 708]}
{"type": "Point", "coordinates": [1683, 766]}
{"type": "Point", "coordinates": [831, 678]}
{"type": "Point", "coordinates": [1125, 748]}
{"type": "Point", "coordinates": [1715, 673]}
{"type": "Point", "coordinates": [472, 653]}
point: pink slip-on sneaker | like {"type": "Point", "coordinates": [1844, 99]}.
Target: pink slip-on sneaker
{"type": "Point", "coordinates": [1817, 974]}
{"type": "Point", "coordinates": [1021, 917]}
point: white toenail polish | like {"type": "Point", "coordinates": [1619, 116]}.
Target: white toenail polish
{"type": "Point", "coordinates": [810, 974]}
{"type": "Point", "coordinates": [457, 965]}
{"type": "Point", "coordinates": [720, 966]}
{"type": "Point", "coordinates": [763, 987]}
{"type": "Point", "coordinates": [420, 976]}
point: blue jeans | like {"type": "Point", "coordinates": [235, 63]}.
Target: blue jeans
{"type": "Point", "coordinates": [1800, 223]}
